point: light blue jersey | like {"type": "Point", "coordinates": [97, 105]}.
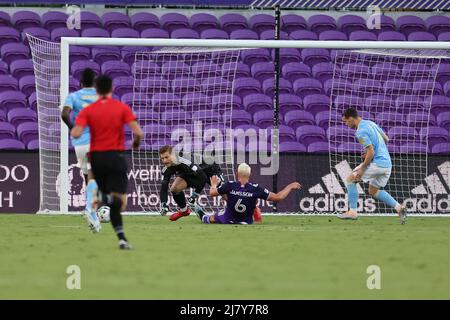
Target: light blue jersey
{"type": "Point", "coordinates": [369, 133]}
{"type": "Point", "coordinates": [77, 101]}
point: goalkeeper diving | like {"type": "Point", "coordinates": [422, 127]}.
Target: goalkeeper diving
{"type": "Point", "coordinates": [375, 169]}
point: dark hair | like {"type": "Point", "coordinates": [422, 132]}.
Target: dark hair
{"type": "Point", "coordinates": [103, 84]}
{"type": "Point", "coordinates": [87, 78]}
{"type": "Point", "coordinates": [351, 113]}
{"type": "Point", "coordinates": [165, 149]}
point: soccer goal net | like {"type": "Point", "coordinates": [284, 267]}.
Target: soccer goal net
{"type": "Point", "coordinates": [194, 94]}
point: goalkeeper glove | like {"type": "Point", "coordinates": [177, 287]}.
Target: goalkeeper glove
{"type": "Point", "coordinates": [164, 209]}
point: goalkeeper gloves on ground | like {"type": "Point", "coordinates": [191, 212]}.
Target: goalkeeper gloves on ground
{"type": "Point", "coordinates": [164, 209]}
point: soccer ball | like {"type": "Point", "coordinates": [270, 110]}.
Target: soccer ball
{"type": "Point", "coordinates": [103, 214]}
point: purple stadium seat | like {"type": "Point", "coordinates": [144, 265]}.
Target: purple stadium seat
{"type": "Point", "coordinates": [438, 24]}
{"type": "Point", "coordinates": [37, 32]}
{"type": "Point", "coordinates": [421, 36]}
{"type": "Point", "coordinates": [332, 35]}
{"type": "Point", "coordinates": [316, 103]}
{"type": "Point", "coordinates": [387, 24]}
{"type": "Point", "coordinates": [268, 86]}
{"type": "Point", "coordinates": [20, 68]}
{"type": "Point", "coordinates": [173, 118]}
{"type": "Point", "coordinates": [319, 147]}
{"type": "Point", "coordinates": [27, 85]}
{"type": "Point", "coordinates": [33, 145]}
{"type": "Point", "coordinates": [293, 71]}
{"type": "Point", "coordinates": [11, 144]}
{"type": "Point", "coordinates": [185, 85]}
{"type": "Point", "coordinates": [441, 148]}
{"type": "Point", "coordinates": [362, 36]}
{"type": "Point", "coordinates": [124, 33]}
{"type": "Point", "coordinates": [324, 119]}
{"type": "Point", "coordinates": [443, 72]}
{"type": "Point", "coordinates": [95, 33]}
{"type": "Point", "coordinates": [416, 70]}
{"type": "Point", "coordinates": [216, 85]}
{"type": "Point", "coordinates": [288, 55]}
{"type": "Point", "coordinates": [233, 21]}
{"type": "Point", "coordinates": [244, 86]}
{"type": "Point", "coordinates": [385, 71]}
{"type": "Point", "coordinates": [207, 117]}
{"type": "Point", "coordinates": [25, 19]}
{"type": "Point", "coordinates": [447, 88]}
{"type": "Point", "coordinates": [123, 85]}
{"type": "Point", "coordinates": [405, 103]}
{"type": "Point", "coordinates": [391, 119]}
{"type": "Point", "coordinates": [427, 88]}
{"type": "Point", "coordinates": [4, 68]}
{"type": "Point", "coordinates": [444, 36]}
{"type": "Point", "coordinates": [438, 104]}
{"type": "Point", "coordinates": [308, 134]}
{"type": "Point", "coordinates": [3, 116]}
{"type": "Point", "coordinates": [323, 71]}
{"type": "Point", "coordinates": [175, 69]}
{"type": "Point", "coordinates": [288, 102]}
{"type": "Point", "coordinates": [443, 120]}
{"type": "Point", "coordinates": [172, 21]}
{"type": "Point", "coordinates": [196, 101]}
{"type": "Point", "coordinates": [270, 35]}
{"type": "Point", "coordinates": [214, 34]}
{"type": "Point", "coordinates": [90, 20]}
{"type": "Point", "coordinates": [255, 55]}
{"type": "Point", "coordinates": [21, 115]}
{"type": "Point", "coordinates": [7, 83]}
{"type": "Point", "coordinates": [355, 71]}
{"type": "Point", "coordinates": [256, 102]}
{"type": "Point", "coordinates": [400, 135]}
{"type": "Point", "coordinates": [32, 101]}
{"type": "Point", "coordinates": [354, 147]}
{"type": "Point", "coordinates": [293, 22]}
{"type": "Point", "coordinates": [413, 147]}
{"type": "Point", "coordinates": [63, 32]}
{"type": "Point", "coordinates": [155, 33]}
{"type": "Point", "coordinates": [106, 53]}
{"type": "Point", "coordinates": [153, 84]}
{"type": "Point", "coordinates": [184, 33]}
{"type": "Point", "coordinates": [224, 101]}
{"type": "Point", "coordinates": [262, 70]}
{"type": "Point", "coordinates": [52, 20]}
{"type": "Point", "coordinates": [298, 118]}
{"type": "Point", "coordinates": [10, 100]}
{"type": "Point", "coordinates": [14, 51]}
{"type": "Point", "coordinates": [434, 135]}
{"type": "Point", "coordinates": [154, 132]}
{"type": "Point", "coordinates": [115, 20]}
{"type": "Point", "coordinates": [391, 36]}
{"type": "Point", "coordinates": [240, 117]}
{"type": "Point", "coordinates": [166, 100]}
{"type": "Point", "coordinates": [7, 130]}
{"type": "Point", "coordinates": [74, 84]}
{"type": "Point", "coordinates": [78, 67]}
{"type": "Point", "coordinates": [420, 119]}
{"type": "Point", "coordinates": [408, 24]}
{"type": "Point", "coordinates": [304, 87]}
{"type": "Point", "coordinates": [144, 20]}
{"type": "Point", "coordinates": [79, 53]}
{"type": "Point", "coordinates": [203, 21]}
{"type": "Point", "coordinates": [5, 19]}
{"type": "Point", "coordinates": [261, 22]}
{"type": "Point", "coordinates": [8, 35]}
{"type": "Point", "coordinates": [303, 35]}
{"type": "Point", "coordinates": [148, 116]}
{"type": "Point", "coordinates": [397, 87]}
{"type": "Point", "coordinates": [263, 119]}
{"type": "Point", "coordinates": [244, 34]}
{"type": "Point", "coordinates": [321, 22]}
{"type": "Point", "coordinates": [116, 69]}
{"type": "Point", "coordinates": [27, 131]}
{"type": "Point", "coordinates": [350, 23]}
{"type": "Point", "coordinates": [242, 70]}
{"type": "Point", "coordinates": [340, 133]}
{"type": "Point", "coordinates": [291, 146]}
{"type": "Point", "coordinates": [206, 69]}
{"type": "Point", "coordinates": [314, 56]}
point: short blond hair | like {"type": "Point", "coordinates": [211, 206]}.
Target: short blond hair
{"type": "Point", "coordinates": [244, 169]}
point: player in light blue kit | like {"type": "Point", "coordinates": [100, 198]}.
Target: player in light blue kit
{"type": "Point", "coordinates": [73, 105]}
{"type": "Point", "coordinates": [376, 168]}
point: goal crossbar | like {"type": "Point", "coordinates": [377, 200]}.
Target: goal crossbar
{"type": "Point", "coordinates": [66, 42]}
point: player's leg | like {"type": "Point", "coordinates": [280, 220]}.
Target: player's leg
{"type": "Point", "coordinates": [177, 189]}
{"type": "Point", "coordinates": [352, 194]}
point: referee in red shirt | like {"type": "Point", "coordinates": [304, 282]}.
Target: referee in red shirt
{"type": "Point", "coordinates": [106, 119]}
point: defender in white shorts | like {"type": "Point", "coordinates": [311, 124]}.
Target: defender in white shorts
{"type": "Point", "coordinates": [73, 105]}
{"type": "Point", "coordinates": [376, 168]}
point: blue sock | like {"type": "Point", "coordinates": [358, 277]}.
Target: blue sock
{"type": "Point", "coordinates": [386, 198]}
{"type": "Point", "coordinates": [352, 196]}
{"type": "Point", "coordinates": [90, 189]}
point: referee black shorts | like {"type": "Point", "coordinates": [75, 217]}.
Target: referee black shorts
{"type": "Point", "coordinates": [110, 171]}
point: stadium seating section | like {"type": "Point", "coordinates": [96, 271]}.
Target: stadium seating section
{"type": "Point", "coordinates": [304, 86]}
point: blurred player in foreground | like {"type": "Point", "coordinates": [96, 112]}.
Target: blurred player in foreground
{"type": "Point", "coordinates": [73, 105]}
{"type": "Point", "coordinates": [106, 119]}
{"type": "Point", "coordinates": [376, 168]}
{"type": "Point", "coordinates": [242, 197]}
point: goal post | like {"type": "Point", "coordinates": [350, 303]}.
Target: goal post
{"type": "Point", "coordinates": [438, 49]}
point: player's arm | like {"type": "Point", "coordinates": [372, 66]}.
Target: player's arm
{"type": "Point", "coordinates": [80, 123]}
{"type": "Point", "coordinates": [138, 135]}
{"type": "Point", "coordinates": [66, 110]}
{"type": "Point", "coordinates": [369, 154]}
{"type": "Point", "coordinates": [215, 181]}
{"type": "Point", "coordinates": [164, 191]}
{"type": "Point", "coordinates": [279, 196]}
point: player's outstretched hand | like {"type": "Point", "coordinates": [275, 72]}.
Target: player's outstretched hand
{"type": "Point", "coordinates": [215, 181]}
{"type": "Point", "coordinates": [136, 144]}
{"type": "Point", "coordinates": [295, 186]}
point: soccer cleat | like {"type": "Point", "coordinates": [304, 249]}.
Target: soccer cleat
{"type": "Point", "coordinates": [93, 221]}
{"type": "Point", "coordinates": [199, 212]}
{"type": "Point", "coordinates": [124, 245]}
{"type": "Point", "coordinates": [177, 215]}
{"type": "Point", "coordinates": [402, 214]}
{"type": "Point", "coordinates": [347, 216]}
{"type": "Point", "coordinates": [257, 217]}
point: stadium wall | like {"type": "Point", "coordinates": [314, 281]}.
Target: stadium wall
{"type": "Point", "coordinates": [19, 180]}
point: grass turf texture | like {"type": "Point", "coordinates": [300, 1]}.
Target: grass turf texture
{"type": "Point", "coordinates": [285, 258]}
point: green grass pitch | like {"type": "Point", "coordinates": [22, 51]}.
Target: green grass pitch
{"type": "Point", "coordinates": [288, 257]}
